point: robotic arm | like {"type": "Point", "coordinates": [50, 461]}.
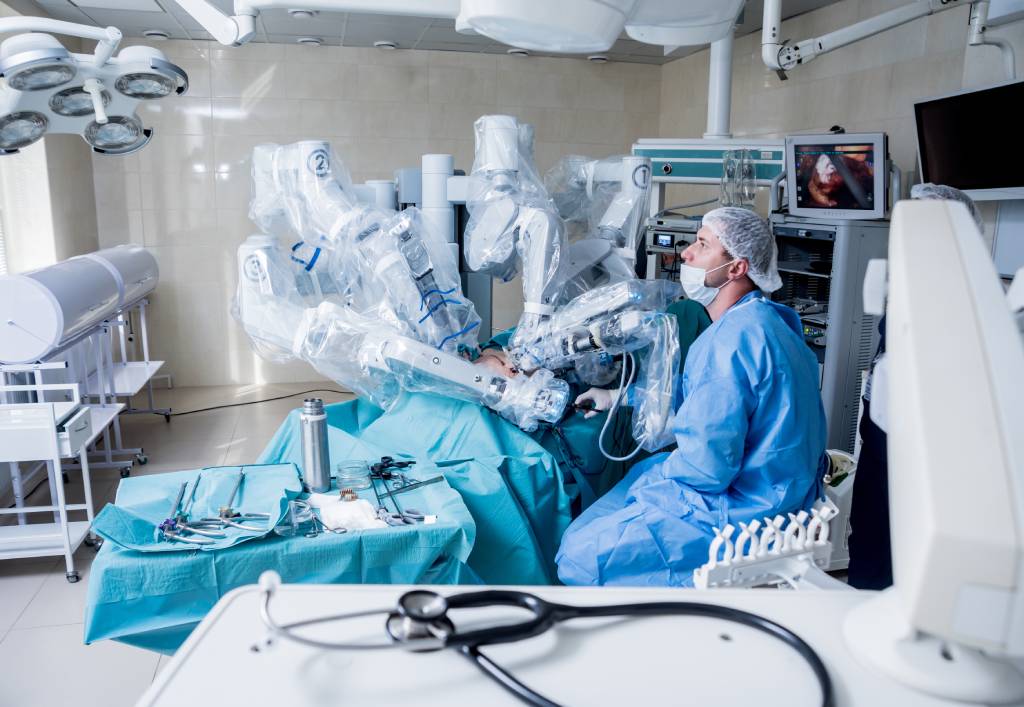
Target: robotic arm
{"type": "Point", "coordinates": [368, 356]}
{"type": "Point", "coordinates": [381, 260]}
{"type": "Point", "coordinates": [511, 218]}
{"type": "Point", "coordinates": [611, 198]}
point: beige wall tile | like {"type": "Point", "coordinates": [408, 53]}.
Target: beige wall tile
{"type": "Point", "coordinates": [454, 121]}
{"type": "Point", "coordinates": [187, 115]}
{"type": "Point", "coordinates": [328, 81]}
{"type": "Point", "coordinates": [251, 80]}
{"type": "Point", "coordinates": [393, 83]}
{"type": "Point", "coordinates": [178, 153]}
{"type": "Point", "coordinates": [177, 190]}
{"type": "Point", "coordinates": [329, 118]}
{"type": "Point", "coordinates": [178, 227]}
{"type": "Point", "coordinates": [462, 85]}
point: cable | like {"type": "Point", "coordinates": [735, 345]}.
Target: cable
{"type": "Point", "coordinates": [623, 386]}
{"type": "Point", "coordinates": [670, 209]}
{"type": "Point", "coordinates": [255, 402]}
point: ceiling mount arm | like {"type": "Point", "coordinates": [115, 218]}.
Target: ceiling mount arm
{"type": "Point", "coordinates": [781, 55]}
{"type": "Point", "coordinates": [229, 31]}
{"type": "Point", "coordinates": [107, 38]}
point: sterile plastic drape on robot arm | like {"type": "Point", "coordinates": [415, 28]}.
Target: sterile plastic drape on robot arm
{"type": "Point", "coordinates": [612, 195]}
{"type": "Point", "coordinates": [376, 256]}
{"type": "Point", "coordinates": [608, 320]}
{"type": "Point", "coordinates": [378, 363]}
{"type": "Point", "coordinates": [267, 301]}
{"type": "Point", "coordinates": [421, 282]}
{"type": "Point", "coordinates": [608, 201]}
{"type": "Point", "coordinates": [654, 391]}
{"type": "Point", "coordinates": [305, 188]}
{"type": "Point", "coordinates": [511, 215]}
{"type": "Point", "coordinates": [342, 345]}
{"type": "Point", "coordinates": [366, 353]}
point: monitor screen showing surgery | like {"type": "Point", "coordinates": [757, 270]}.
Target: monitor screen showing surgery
{"type": "Point", "coordinates": [835, 176]}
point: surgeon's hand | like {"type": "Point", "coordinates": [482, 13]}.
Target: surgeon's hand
{"type": "Point", "coordinates": [594, 401]}
{"type": "Point", "coordinates": [497, 361]}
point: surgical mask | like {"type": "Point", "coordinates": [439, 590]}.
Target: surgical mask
{"type": "Point", "coordinates": [692, 279]}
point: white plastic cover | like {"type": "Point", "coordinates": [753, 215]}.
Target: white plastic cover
{"type": "Point", "coordinates": [365, 351]}
{"type": "Point", "coordinates": [376, 261]}
{"type": "Point", "coordinates": [605, 204]}
{"type": "Point", "coordinates": [512, 220]}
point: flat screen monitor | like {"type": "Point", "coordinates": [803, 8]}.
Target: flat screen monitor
{"type": "Point", "coordinates": [836, 176]}
{"type": "Point", "coordinates": [960, 142]}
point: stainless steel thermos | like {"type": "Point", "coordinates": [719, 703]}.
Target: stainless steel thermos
{"type": "Point", "coordinates": [316, 462]}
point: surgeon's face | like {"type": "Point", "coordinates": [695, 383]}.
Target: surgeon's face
{"type": "Point", "coordinates": [707, 252]}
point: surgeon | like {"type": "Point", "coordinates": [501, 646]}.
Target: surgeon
{"type": "Point", "coordinates": [750, 428]}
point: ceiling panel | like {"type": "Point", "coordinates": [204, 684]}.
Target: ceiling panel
{"type": "Point", "coordinates": [61, 10]}
{"type": "Point", "coordinates": [394, 20]}
{"type": "Point", "coordinates": [327, 24]}
{"type": "Point", "coordinates": [362, 30]}
{"type": "Point", "coordinates": [120, 5]}
{"type": "Point", "coordinates": [454, 47]}
{"type": "Point", "coordinates": [448, 34]}
{"type": "Point", "coordinates": [292, 39]}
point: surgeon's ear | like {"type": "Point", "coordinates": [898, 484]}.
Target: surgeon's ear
{"type": "Point", "coordinates": [738, 269]}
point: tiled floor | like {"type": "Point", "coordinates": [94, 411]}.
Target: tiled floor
{"type": "Point", "coordinates": [41, 614]}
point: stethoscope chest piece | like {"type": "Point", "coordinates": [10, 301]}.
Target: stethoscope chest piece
{"type": "Point", "coordinates": [421, 614]}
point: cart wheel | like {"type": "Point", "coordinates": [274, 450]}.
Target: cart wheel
{"type": "Point", "coordinates": [93, 542]}
{"type": "Point", "coordinates": [72, 576]}
{"type": "Point", "coordinates": [64, 475]}
{"type": "Point", "coordinates": [167, 417]}
{"type": "Point", "coordinates": [125, 471]}
{"type": "Point", "coordinates": [142, 459]}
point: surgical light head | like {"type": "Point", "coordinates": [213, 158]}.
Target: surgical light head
{"type": "Point", "coordinates": [746, 235]}
{"type": "Point", "coordinates": [50, 90]}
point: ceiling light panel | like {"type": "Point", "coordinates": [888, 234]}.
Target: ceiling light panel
{"type": "Point", "coordinates": [119, 5]}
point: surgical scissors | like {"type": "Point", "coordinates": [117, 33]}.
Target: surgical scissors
{"type": "Point", "coordinates": [419, 622]}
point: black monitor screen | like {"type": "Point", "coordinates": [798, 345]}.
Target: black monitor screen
{"type": "Point", "coordinates": [835, 176]}
{"type": "Point", "coordinates": [964, 141]}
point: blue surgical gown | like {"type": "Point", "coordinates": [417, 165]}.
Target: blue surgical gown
{"type": "Point", "coordinates": [751, 441]}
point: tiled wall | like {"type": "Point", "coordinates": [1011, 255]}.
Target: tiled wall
{"type": "Point", "coordinates": [47, 203]}
{"type": "Point", "coordinates": [186, 195]}
{"type": "Point", "coordinates": [867, 86]}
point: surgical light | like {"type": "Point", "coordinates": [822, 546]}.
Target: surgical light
{"type": "Point", "coordinates": [119, 135]}
{"type": "Point", "coordinates": [50, 90]}
{"type": "Point", "coordinates": [155, 79]}
{"type": "Point", "coordinates": [75, 102]}
{"type": "Point", "coordinates": [35, 62]}
{"type": "Point", "coordinates": [19, 130]}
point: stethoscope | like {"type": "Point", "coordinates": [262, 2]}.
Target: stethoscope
{"type": "Point", "coordinates": [419, 622]}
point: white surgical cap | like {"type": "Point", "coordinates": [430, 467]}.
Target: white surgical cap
{"type": "Point", "coordinates": [746, 235]}
{"type": "Point", "coordinates": [941, 191]}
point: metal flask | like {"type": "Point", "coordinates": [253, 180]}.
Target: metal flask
{"type": "Point", "coordinates": [316, 462]}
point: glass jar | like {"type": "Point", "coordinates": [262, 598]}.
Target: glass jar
{"type": "Point", "coordinates": [353, 474]}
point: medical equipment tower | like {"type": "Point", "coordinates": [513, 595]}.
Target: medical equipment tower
{"type": "Point", "coordinates": [822, 264]}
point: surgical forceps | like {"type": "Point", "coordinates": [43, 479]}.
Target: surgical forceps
{"type": "Point", "coordinates": [399, 517]}
{"type": "Point", "coordinates": [228, 516]}
{"type": "Point", "coordinates": [172, 527]}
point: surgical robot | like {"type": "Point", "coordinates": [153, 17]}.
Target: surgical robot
{"type": "Point", "coordinates": [377, 307]}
